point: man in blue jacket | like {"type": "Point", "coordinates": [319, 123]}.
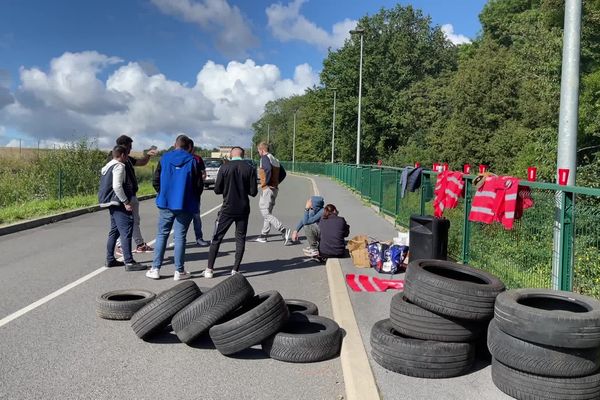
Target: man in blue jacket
{"type": "Point", "coordinates": [178, 182]}
{"type": "Point", "coordinates": [313, 211]}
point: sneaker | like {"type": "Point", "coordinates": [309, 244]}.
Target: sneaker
{"type": "Point", "coordinates": [135, 266]}
{"type": "Point", "coordinates": [118, 251]}
{"type": "Point", "coordinates": [309, 251]}
{"type": "Point", "coordinates": [208, 273]}
{"type": "Point", "coordinates": [171, 245]}
{"type": "Point", "coordinates": [312, 253]}
{"type": "Point", "coordinates": [202, 243]}
{"type": "Point", "coordinates": [143, 248]}
{"type": "Point", "coordinates": [287, 232]}
{"type": "Point", "coordinates": [235, 272]}
{"type": "Point", "coordinates": [154, 273]}
{"type": "Point", "coordinates": [179, 276]}
{"type": "Point", "coordinates": [114, 263]}
{"type": "Point", "coordinates": [261, 239]}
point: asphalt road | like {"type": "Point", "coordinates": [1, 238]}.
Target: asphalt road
{"type": "Point", "coordinates": [61, 350]}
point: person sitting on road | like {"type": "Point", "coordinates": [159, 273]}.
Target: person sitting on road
{"type": "Point", "coordinates": [310, 221]}
{"type": "Point", "coordinates": [116, 193]}
{"type": "Point", "coordinates": [333, 230]}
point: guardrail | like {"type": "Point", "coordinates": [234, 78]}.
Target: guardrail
{"type": "Point", "coordinates": [521, 257]}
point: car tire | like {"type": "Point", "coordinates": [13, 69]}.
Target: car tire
{"type": "Point", "coordinates": [207, 310]}
{"type": "Point", "coordinates": [122, 304]}
{"type": "Point", "coordinates": [262, 317]}
{"type": "Point", "coordinates": [416, 357]}
{"type": "Point", "coordinates": [414, 321]}
{"type": "Point", "coordinates": [157, 314]}
{"type": "Point", "coordinates": [305, 307]}
{"type": "Point", "coordinates": [452, 289]}
{"type": "Point", "coordinates": [525, 386]}
{"type": "Point", "coordinates": [550, 317]}
{"type": "Point", "coordinates": [540, 359]}
{"type": "Point", "coordinates": [305, 338]}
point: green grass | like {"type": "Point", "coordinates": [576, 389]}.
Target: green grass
{"type": "Point", "coordinates": [42, 208]}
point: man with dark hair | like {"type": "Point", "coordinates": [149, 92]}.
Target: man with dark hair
{"type": "Point", "coordinates": [236, 181]}
{"type": "Point", "coordinates": [140, 244]}
{"type": "Point", "coordinates": [115, 193]}
{"type": "Point", "coordinates": [178, 182]}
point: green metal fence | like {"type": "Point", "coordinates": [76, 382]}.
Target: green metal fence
{"type": "Point", "coordinates": [521, 257]}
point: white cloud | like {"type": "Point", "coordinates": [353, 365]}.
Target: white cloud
{"type": "Point", "coordinates": [233, 34]}
{"type": "Point", "coordinates": [448, 30]}
{"type": "Point", "coordinates": [70, 101]}
{"type": "Point", "coordinates": [286, 24]}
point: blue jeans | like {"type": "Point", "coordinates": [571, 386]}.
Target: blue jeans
{"type": "Point", "coordinates": [180, 222]}
{"type": "Point", "coordinates": [121, 225]}
{"type": "Point", "coordinates": [198, 227]}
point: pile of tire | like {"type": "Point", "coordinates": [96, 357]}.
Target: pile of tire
{"type": "Point", "coordinates": [545, 344]}
{"type": "Point", "coordinates": [232, 315]}
{"type": "Point", "coordinates": [436, 323]}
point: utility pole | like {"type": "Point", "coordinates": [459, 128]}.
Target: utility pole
{"type": "Point", "coordinates": [361, 32]}
{"type": "Point", "coordinates": [333, 129]}
{"type": "Point", "coordinates": [294, 144]}
{"type": "Point", "coordinates": [564, 224]}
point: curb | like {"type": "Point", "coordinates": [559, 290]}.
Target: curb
{"type": "Point", "coordinates": [34, 223]}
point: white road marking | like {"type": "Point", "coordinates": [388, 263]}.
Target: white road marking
{"type": "Point", "coordinates": [66, 288]}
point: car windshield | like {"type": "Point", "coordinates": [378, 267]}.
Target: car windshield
{"type": "Point", "coordinates": [213, 163]}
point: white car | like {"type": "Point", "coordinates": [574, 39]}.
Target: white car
{"type": "Point", "coordinates": [212, 169]}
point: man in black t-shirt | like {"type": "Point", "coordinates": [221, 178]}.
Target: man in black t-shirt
{"type": "Point", "coordinates": [236, 181]}
{"type": "Point", "coordinates": [140, 244]}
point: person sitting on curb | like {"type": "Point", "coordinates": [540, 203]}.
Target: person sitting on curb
{"type": "Point", "coordinates": [333, 230]}
{"type": "Point", "coordinates": [116, 193]}
{"type": "Point", "coordinates": [310, 221]}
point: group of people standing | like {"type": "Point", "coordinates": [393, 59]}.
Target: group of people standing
{"type": "Point", "coordinates": [179, 182]}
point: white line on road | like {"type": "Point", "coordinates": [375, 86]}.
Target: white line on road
{"type": "Point", "coordinates": [65, 289]}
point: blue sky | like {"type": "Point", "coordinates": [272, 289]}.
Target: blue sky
{"type": "Point", "coordinates": [152, 68]}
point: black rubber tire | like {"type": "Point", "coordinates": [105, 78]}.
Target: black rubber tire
{"type": "Point", "coordinates": [157, 314]}
{"type": "Point", "coordinates": [305, 338]}
{"type": "Point", "coordinates": [262, 317]}
{"type": "Point", "coordinates": [524, 386]}
{"type": "Point", "coordinates": [305, 307]}
{"type": "Point", "coordinates": [550, 317]}
{"type": "Point", "coordinates": [212, 306]}
{"type": "Point", "coordinates": [122, 304]}
{"type": "Point", "coordinates": [452, 289]}
{"type": "Point", "coordinates": [541, 359]}
{"type": "Point", "coordinates": [416, 357]}
{"type": "Point", "coordinates": [414, 321]}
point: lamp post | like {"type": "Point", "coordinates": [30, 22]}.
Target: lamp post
{"type": "Point", "coordinates": [360, 32]}
{"type": "Point", "coordinates": [333, 128]}
{"type": "Point", "coordinates": [294, 144]}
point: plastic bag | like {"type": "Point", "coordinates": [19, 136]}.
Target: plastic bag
{"type": "Point", "coordinates": [377, 255]}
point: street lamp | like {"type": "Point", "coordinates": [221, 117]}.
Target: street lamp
{"type": "Point", "coordinates": [294, 144]}
{"type": "Point", "coordinates": [360, 32]}
{"type": "Point", "coordinates": [333, 127]}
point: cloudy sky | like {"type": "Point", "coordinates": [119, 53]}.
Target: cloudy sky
{"type": "Point", "coordinates": [154, 68]}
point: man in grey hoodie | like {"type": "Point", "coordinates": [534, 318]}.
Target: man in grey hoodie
{"type": "Point", "coordinates": [115, 193]}
{"type": "Point", "coordinates": [310, 221]}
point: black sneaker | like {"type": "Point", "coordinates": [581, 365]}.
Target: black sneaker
{"type": "Point", "coordinates": [114, 263]}
{"type": "Point", "coordinates": [135, 266]}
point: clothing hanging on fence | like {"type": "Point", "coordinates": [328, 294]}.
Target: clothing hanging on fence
{"type": "Point", "coordinates": [410, 179]}
{"type": "Point", "coordinates": [500, 199]}
{"type": "Point", "coordinates": [448, 189]}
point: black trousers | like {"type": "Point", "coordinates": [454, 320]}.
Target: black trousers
{"type": "Point", "coordinates": [222, 225]}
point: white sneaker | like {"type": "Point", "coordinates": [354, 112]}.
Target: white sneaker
{"type": "Point", "coordinates": [261, 239]}
{"type": "Point", "coordinates": [312, 253]}
{"type": "Point", "coordinates": [234, 272]}
{"type": "Point", "coordinates": [202, 243]}
{"type": "Point", "coordinates": [171, 245]}
{"type": "Point", "coordinates": [179, 276]}
{"type": "Point", "coordinates": [153, 273]}
{"type": "Point", "coordinates": [287, 232]}
{"type": "Point", "coordinates": [208, 273]}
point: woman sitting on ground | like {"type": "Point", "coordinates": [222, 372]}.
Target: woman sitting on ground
{"type": "Point", "coordinates": [333, 230]}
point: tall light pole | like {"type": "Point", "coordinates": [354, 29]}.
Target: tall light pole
{"type": "Point", "coordinates": [333, 129]}
{"type": "Point", "coordinates": [361, 32]}
{"type": "Point", "coordinates": [294, 144]}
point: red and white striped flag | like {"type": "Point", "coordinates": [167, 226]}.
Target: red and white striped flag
{"type": "Point", "coordinates": [366, 283]}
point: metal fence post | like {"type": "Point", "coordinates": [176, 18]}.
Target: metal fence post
{"type": "Point", "coordinates": [564, 241]}
{"type": "Point", "coordinates": [422, 200]}
{"type": "Point", "coordinates": [398, 183]}
{"type": "Point", "coordinates": [466, 224]}
{"type": "Point", "coordinates": [380, 188]}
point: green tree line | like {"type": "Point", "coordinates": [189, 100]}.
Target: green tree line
{"type": "Point", "coordinates": [493, 101]}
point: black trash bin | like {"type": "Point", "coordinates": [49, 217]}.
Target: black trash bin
{"type": "Point", "coordinates": [428, 237]}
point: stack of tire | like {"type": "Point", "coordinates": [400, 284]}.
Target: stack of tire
{"type": "Point", "coordinates": [545, 344]}
{"type": "Point", "coordinates": [233, 316]}
{"type": "Point", "coordinates": [435, 324]}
